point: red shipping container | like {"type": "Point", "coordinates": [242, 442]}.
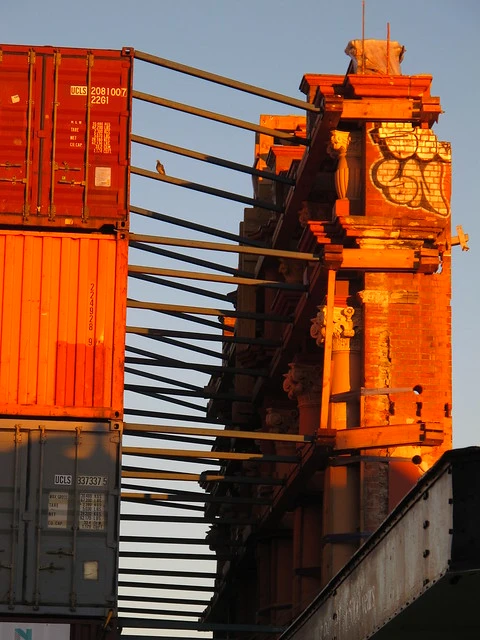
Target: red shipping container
{"type": "Point", "coordinates": [64, 136]}
{"type": "Point", "coordinates": [62, 323]}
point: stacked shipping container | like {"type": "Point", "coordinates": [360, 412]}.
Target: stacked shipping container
{"type": "Point", "coordinates": [64, 168]}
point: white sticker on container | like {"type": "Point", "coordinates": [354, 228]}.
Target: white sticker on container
{"type": "Point", "coordinates": [15, 98]}
{"type": "Point", "coordinates": [103, 177]}
{"type": "Point", "coordinates": [34, 631]}
{"type": "Point", "coordinates": [92, 512]}
{"type": "Point", "coordinates": [57, 510]}
{"type": "Point", "coordinates": [62, 478]}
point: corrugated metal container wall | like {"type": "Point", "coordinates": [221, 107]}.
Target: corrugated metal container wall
{"type": "Point", "coordinates": [64, 136]}
{"type": "Point", "coordinates": [59, 500]}
{"type": "Point", "coordinates": [62, 323]}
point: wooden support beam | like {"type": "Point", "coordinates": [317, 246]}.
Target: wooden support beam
{"type": "Point", "coordinates": [132, 428]}
{"type": "Point", "coordinates": [420, 434]}
{"type": "Point", "coordinates": [381, 259]}
{"type": "Point", "coordinates": [222, 246]}
{"type": "Point", "coordinates": [210, 277]}
{"type": "Point", "coordinates": [151, 452]}
{"type": "Point", "coordinates": [167, 475]}
{"type": "Point", "coordinates": [382, 109]}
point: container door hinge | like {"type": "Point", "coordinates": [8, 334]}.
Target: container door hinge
{"type": "Point", "coordinates": [31, 56]}
{"type": "Point", "coordinates": [51, 568]}
{"type": "Point", "coordinates": [60, 552]}
{"type": "Point", "coordinates": [18, 434]}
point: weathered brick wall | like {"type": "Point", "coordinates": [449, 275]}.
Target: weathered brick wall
{"type": "Point", "coordinates": [412, 167]}
{"type": "Point", "coordinates": [407, 316]}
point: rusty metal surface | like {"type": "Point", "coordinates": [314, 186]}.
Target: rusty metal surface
{"type": "Point", "coordinates": [62, 323]}
{"type": "Point", "coordinates": [417, 575]}
{"type": "Point", "coordinates": [64, 153]}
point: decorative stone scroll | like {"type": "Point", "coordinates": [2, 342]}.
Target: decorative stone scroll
{"type": "Point", "coordinates": [291, 270]}
{"type": "Point", "coordinates": [303, 380]}
{"type": "Point", "coordinates": [282, 420]}
{"type": "Point", "coordinates": [346, 327]}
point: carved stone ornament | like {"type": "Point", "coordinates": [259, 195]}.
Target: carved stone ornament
{"type": "Point", "coordinates": [282, 420]}
{"type": "Point", "coordinates": [291, 270]}
{"type": "Point", "coordinates": [339, 142]}
{"type": "Point", "coordinates": [376, 56]}
{"type": "Point", "coordinates": [302, 380]}
{"type": "Point", "coordinates": [346, 147]}
{"type": "Point", "coordinates": [345, 326]}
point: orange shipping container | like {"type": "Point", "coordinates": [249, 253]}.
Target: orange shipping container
{"type": "Point", "coordinates": [62, 324]}
{"type": "Point", "coordinates": [64, 136]}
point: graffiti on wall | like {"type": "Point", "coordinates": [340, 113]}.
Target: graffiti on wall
{"type": "Point", "coordinates": [414, 167]}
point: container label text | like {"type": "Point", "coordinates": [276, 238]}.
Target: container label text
{"type": "Point", "coordinates": [57, 510]}
{"type": "Point", "coordinates": [91, 516]}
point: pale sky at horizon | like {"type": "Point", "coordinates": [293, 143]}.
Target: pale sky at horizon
{"type": "Point", "coordinates": [272, 43]}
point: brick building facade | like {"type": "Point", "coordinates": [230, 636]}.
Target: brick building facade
{"type": "Point", "coordinates": [354, 379]}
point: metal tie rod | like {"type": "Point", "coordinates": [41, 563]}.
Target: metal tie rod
{"type": "Point", "coordinates": [155, 499]}
{"type": "Point", "coordinates": [153, 332]}
{"type": "Point", "coordinates": [216, 455]}
{"type": "Point", "coordinates": [202, 188]}
{"type": "Point", "coordinates": [155, 623]}
{"type": "Point", "coordinates": [161, 251]}
{"type": "Point", "coordinates": [167, 556]}
{"type": "Point", "coordinates": [203, 157]}
{"type": "Point", "coordinates": [162, 572]}
{"type": "Point", "coordinates": [219, 117]}
{"type": "Point", "coordinates": [210, 476]}
{"type": "Point", "coordinates": [221, 246]}
{"type": "Point", "coordinates": [169, 587]}
{"type": "Point", "coordinates": [227, 82]}
{"type": "Point", "coordinates": [174, 284]}
{"type": "Point", "coordinates": [175, 541]}
{"type": "Point", "coordinates": [206, 311]}
{"type": "Point", "coordinates": [162, 217]}
{"type": "Point", "coordinates": [162, 612]}
{"type": "Point", "coordinates": [200, 393]}
{"type": "Point", "coordinates": [148, 413]}
{"type": "Point", "coordinates": [185, 520]}
{"type": "Point", "coordinates": [169, 495]}
{"type": "Point", "coordinates": [127, 597]}
{"type": "Point", "coordinates": [132, 428]}
{"type": "Point", "coordinates": [212, 277]}
{"type": "Point", "coordinates": [159, 540]}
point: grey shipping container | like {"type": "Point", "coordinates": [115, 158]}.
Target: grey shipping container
{"type": "Point", "coordinates": [59, 522]}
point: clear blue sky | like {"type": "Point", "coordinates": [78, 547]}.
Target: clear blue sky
{"type": "Point", "coordinates": [272, 43]}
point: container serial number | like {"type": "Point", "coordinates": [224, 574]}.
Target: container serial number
{"type": "Point", "coordinates": [99, 95]}
{"type": "Point", "coordinates": [92, 481]}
